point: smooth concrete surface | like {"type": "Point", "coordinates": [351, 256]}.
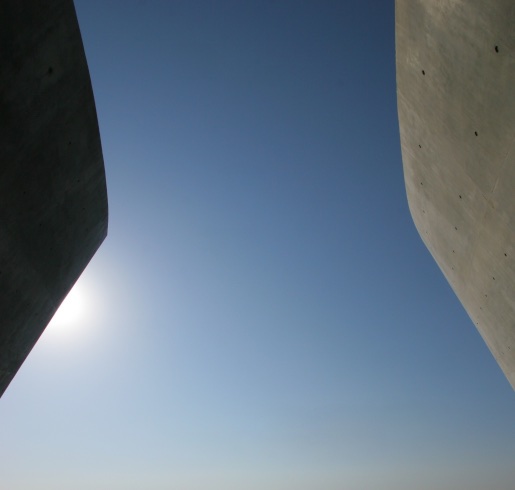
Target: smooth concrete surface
{"type": "Point", "coordinates": [456, 104]}
{"type": "Point", "coordinates": [53, 199]}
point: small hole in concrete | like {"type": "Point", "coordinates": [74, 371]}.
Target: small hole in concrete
{"type": "Point", "coordinates": [456, 228]}
{"type": "Point", "coordinates": [505, 255]}
{"type": "Point", "coordinates": [420, 146]}
{"type": "Point", "coordinates": [453, 251]}
{"type": "Point", "coordinates": [421, 183]}
{"type": "Point", "coordinates": [493, 278]}
{"type": "Point", "coordinates": [423, 72]}
{"type": "Point", "coordinates": [460, 196]}
{"type": "Point", "coordinates": [475, 132]}
{"type": "Point", "coordinates": [497, 49]}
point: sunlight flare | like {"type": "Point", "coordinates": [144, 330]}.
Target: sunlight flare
{"type": "Point", "coordinates": [72, 311]}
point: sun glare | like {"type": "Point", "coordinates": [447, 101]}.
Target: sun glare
{"type": "Point", "coordinates": [80, 315]}
{"type": "Point", "coordinates": [71, 311]}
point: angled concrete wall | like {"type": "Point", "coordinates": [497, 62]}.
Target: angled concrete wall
{"type": "Point", "coordinates": [456, 104]}
{"type": "Point", "coordinates": [53, 200]}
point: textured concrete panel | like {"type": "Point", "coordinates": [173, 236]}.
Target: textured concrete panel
{"type": "Point", "coordinates": [456, 103]}
{"type": "Point", "coordinates": [53, 200]}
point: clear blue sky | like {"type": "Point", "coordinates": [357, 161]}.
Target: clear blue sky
{"type": "Point", "coordinates": [263, 314]}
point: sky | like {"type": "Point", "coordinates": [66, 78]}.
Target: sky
{"type": "Point", "coordinates": [263, 313]}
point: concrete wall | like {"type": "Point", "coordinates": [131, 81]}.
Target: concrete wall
{"type": "Point", "coordinates": [456, 103]}
{"type": "Point", "coordinates": [53, 200]}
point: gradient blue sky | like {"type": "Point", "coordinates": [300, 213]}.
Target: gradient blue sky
{"type": "Point", "coordinates": [263, 314]}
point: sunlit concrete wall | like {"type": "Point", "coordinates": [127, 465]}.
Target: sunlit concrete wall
{"type": "Point", "coordinates": [456, 103]}
{"type": "Point", "coordinates": [53, 200]}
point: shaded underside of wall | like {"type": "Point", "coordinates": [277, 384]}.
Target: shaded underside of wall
{"type": "Point", "coordinates": [456, 104]}
{"type": "Point", "coordinates": [53, 199]}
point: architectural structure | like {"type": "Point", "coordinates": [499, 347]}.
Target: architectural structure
{"type": "Point", "coordinates": [456, 104]}
{"type": "Point", "coordinates": [53, 199]}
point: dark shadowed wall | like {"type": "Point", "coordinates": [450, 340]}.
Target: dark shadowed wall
{"type": "Point", "coordinates": [53, 200]}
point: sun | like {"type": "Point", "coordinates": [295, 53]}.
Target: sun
{"type": "Point", "coordinates": [80, 315]}
{"type": "Point", "coordinates": [72, 310]}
